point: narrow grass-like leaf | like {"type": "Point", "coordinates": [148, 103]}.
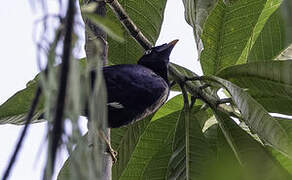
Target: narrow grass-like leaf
{"type": "Point", "coordinates": [257, 118]}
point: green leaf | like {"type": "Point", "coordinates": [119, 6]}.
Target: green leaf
{"type": "Point", "coordinates": [196, 13]}
{"type": "Point", "coordinates": [284, 161]}
{"type": "Point", "coordinates": [112, 28]}
{"type": "Point", "coordinates": [258, 163]}
{"type": "Point", "coordinates": [231, 30]}
{"type": "Point", "coordinates": [191, 152]}
{"type": "Point", "coordinates": [14, 110]}
{"type": "Point", "coordinates": [157, 166]}
{"type": "Point", "coordinates": [224, 155]}
{"type": "Point", "coordinates": [257, 118]}
{"type": "Point", "coordinates": [127, 139]}
{"type": "Point", "coordinates": [268, 82]}
{"type": "Point", "coordinates": [150, 143]}
{"type": "Point", "coordinates": [148, 16]}
{"type": "Point", "coordinates": [276, 35]}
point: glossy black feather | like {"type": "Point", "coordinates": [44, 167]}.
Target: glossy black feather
{"type": "Point", "coordinates": [136, 91]}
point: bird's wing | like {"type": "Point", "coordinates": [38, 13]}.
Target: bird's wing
{"type": "Point", "coordinates": [129, 84]}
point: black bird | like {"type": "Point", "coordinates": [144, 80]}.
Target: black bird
{"type": "Point", "coordinates": [137, 90]}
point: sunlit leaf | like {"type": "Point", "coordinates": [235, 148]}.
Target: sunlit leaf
{"type": "Point", "coordinates": [275, 37]}
{"type": "Point", "coordinates": [230, 31]}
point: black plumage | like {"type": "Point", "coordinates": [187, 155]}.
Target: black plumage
{"type": "Point", "coordinates": [137, 90]}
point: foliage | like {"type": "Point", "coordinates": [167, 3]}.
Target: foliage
{"type": "Point", "coordinates": [239, 42]}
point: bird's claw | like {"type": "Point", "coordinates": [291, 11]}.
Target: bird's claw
{"type": "Point", "coordinates": [113, 154]}
{"type": "Point", "coordinates": [110, 150]}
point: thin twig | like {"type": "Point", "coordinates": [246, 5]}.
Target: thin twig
{"type": "Point", "coordinates": [60, 103]}
{"type": "Point", "coordinates": [23, 133]}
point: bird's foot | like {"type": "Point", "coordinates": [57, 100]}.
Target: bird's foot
{"type": "Point", "coordinates": [109, 148]}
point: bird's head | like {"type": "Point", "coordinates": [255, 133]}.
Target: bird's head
{"type": "Point", "coordinates": [157, 58]}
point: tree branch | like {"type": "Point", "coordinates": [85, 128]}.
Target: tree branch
{"type": "Point", "coordinates": [128, 24]}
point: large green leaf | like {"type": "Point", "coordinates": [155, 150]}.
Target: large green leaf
{"type": "Point", "coordinates": [230, 31]}
{"type": "Point", "coordinates": [157, 166]}
{"type": "Point", "coordinates": [148, 16]}
{"type": "Point", "coordinates": [254, 158]}
{"type": "Point", "coordinates": [257, 118]}
{"type": "Point", "coordinates": [196, 13]}
{"type": "Point", "coordinates": [125, 140]}
{"type": "Point", "coordinates": [191, 151]}
{"type": "Point", "coordinates": [150, 143]}
{"type": "Point", "coordinates": [224, 155]}
{"type": "Point", "coordinates": [14, 110]}
{"type": "Point", "coordinates": [276, 36]}
{"type": "Point", "coordinates": [269, 82]}
{"type": "Point", "coordinates": [284, 161]}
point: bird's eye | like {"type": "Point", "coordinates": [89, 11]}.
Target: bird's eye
{"type": "Point", "coordinates": [148, 52]}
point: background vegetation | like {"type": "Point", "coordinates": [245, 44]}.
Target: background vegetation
{"type": "Point", "coordinates": [244, 48]}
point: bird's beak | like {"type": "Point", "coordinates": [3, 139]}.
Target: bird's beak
{"type": "Point", "coordinates": [172, 43]}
